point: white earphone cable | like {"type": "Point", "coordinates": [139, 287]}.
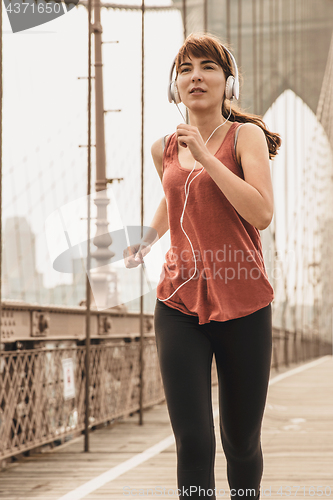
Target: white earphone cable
{"type": "Point", "coordinates": [180, 112]}
{"type": "Point", "coordinates": [187, 193]}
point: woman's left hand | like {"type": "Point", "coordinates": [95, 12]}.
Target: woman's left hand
{"type": "Point", "coordinates": [189, 136]}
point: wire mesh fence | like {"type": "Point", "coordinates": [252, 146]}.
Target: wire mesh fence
{"type": "Point", "coordinates": [42, 393]}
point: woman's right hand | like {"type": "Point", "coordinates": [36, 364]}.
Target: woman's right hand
{"type": "Point", "coordinates": [134, 254]}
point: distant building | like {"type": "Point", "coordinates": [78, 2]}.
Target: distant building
{"type": "Point", "coordinates": [21, 279]}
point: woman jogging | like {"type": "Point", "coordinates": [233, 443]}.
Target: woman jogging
{"type": "Point", "coordinates": [214, 296]}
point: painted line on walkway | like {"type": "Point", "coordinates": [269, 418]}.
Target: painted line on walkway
{"type": "Point", "coordinates": [117, 471]}
{"type": "Point", "coordinates": [111, 474]}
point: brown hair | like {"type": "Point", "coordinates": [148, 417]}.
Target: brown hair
{"type": "Point", "coordinates": [207, 45]}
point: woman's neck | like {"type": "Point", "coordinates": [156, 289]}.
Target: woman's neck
{"type": "Point", "coordinates": [207, 123]}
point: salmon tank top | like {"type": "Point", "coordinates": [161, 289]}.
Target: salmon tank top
{"type": "Point", "coordinates": [231, 279]}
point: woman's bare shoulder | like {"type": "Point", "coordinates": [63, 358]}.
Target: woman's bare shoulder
{"type": "Point", "coordinates": [157, 154]}
{"type": "Point", "coordinates": [249, 130]}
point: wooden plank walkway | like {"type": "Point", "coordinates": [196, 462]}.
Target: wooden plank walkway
{"type": "Point", "coordinates": [297, 442]}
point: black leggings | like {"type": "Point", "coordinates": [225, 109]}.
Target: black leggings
{"type": "Point", "coordinates": [242, 349]}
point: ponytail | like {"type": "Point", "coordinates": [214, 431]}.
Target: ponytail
{"type": "Point", "coordinates": [273, 139]}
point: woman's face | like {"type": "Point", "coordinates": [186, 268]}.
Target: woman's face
{"type": "Point", "coordinates": [201, 83]}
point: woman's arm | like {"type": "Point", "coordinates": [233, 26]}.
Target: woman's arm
{"type": "Point", "coordinates": [134, 254]}
{"type": "Point", "coordinates": [160, 223]}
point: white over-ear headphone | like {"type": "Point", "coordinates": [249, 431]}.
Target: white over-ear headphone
{"type": "Point", "coordinates": [231, 86]}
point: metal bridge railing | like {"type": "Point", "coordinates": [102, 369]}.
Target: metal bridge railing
{"type": "Point", "coordinates": [296, 346]}
{"type": "Point", "coordinates": [34, 407]}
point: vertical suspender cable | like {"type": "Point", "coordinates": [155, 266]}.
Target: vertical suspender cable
{"type": "Point", "coordinates": [272, 93]}
{"type": "Point", "coordinates": [301, 92]}
{"type": "Point", "coordinates": [307, 197]}
{"type": "Point", "coordinates": [261, 57]}
{"type": "Point", "coordinates": [239, 41]}
{"type": "Point", "coordinates": [324, 183]}
{"type": "Point", "coordinates": [142, 206]}
{"type": "Point", "coordinates": [277, 47]}
{"type": "Point", "coordinates": [316, 243]}
{"type": "Point", "coordinates": [326, 121]}
{"type": "Point", "coordinates": [87, 350]}
{"type": "Point", "coordinates": [310, 191]}
{"type": "Point", "coordinates": [293, 222]}
{"type": "Point", "coordinates": [276, 79]}
{"type": "Point", "coordinates": [254, 56]}
{"type": "Point", "coordinates": [285, 68]}
{"type": "Point", "coordinates": [205, 6]}
{"type": "Point", "coordinates": [228, 21]}
{"type": "Point", "coordinates": [278, 86]}
{"type": "Point", "coordinates": [272, 227]}
{"type": "Point", "coordinates": [0, 174]}
{"type": "Point", "coordinates": [297, 187]}
{"type": "Point", "coordinates": [187, 119]}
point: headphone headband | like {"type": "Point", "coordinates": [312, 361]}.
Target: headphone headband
{"type": "Point", "coordinates": [231, 87]}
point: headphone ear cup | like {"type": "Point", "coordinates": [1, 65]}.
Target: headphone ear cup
{"type": "Point", "coordinates": [229, 87]}
{"type": "Point", "coordinates": [174, 92]}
